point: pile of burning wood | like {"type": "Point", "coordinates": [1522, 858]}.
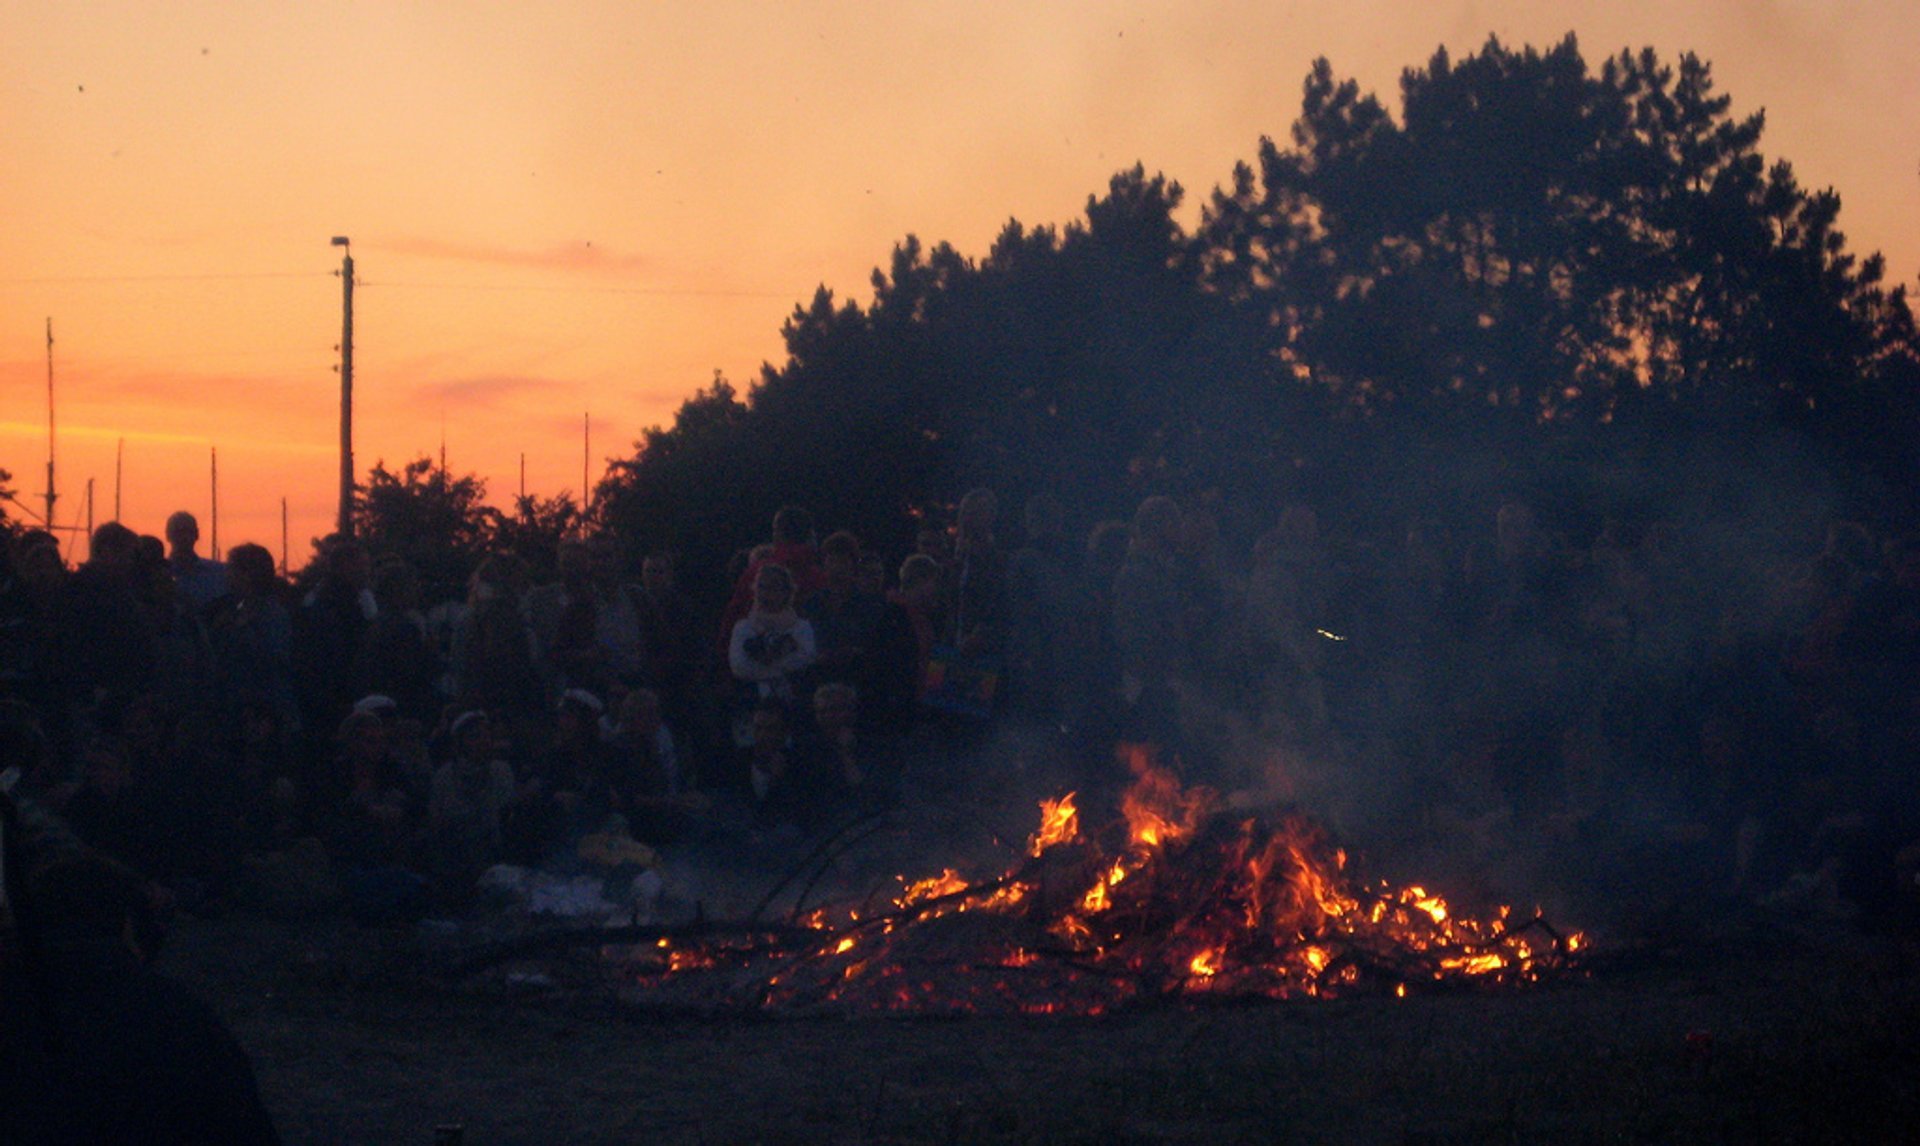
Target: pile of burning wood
{"type": "Point", "coordinates": [1173, 900]}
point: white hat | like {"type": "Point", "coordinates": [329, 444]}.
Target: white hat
{"type": "Point", "coordinates": [377, 704]}
{"type": "Point", "coordinates": [584, 699]}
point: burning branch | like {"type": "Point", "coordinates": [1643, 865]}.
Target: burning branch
{"type": "Point", "coordinates": [1175, 903]}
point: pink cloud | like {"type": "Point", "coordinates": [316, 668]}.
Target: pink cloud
{"type": "Point", "coordinates": [480, 390]}
{"type": "Point", "coordinates": [580, 256]}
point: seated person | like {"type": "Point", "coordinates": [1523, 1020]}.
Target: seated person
{"type": "Point", "coordinates": [644, 778]}
{"type": "Point", "coordinates": [781, 794]}
{"type": "Point", "coordinates": [105, 811]}
{"type": "Point", "coordinates": [368, 809]}
{"type": "Point", "coordinates": [555, 811]}
{"type": "Point", "coordinates": [848, 769]}
{"type": "Point", "coordinates": [474, 795]}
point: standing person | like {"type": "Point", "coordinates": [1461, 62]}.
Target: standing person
{"type": "Point", "coordinates": [550, 605]}
{"type": "Point", "coordinates": [674, 645]}
{"type": "Point", "coordinates": [332, 621]}
{"type": "Point", "coordinates": [1150, 625]}
{"type": "Point", "coordinates": [967, 669]}
{"type": "Point", "coordinates": [1286, 610]}
{"type": "Point", "coordinates": [977, 578]}
{"type": "Point", "coordinates": [918, 597]}
{"type": "Point", "coordinates": [619, 629]}
{"type": "Point", "coordinates": [845, 618]}
{"type": "Point", "coordinates": [793, 549]}
{"type": "Point", "coordinates": [768, 649]}
{"type": "Point", "coordinates": [493, 652]}
{"type": "Point", "coordinates": [251, 635]}
{"type": "Point", "coordinates": [30, 578]}
{"type": "Point", "coordinates": [105, 638]}
{"type": "Point", "coordinates": [1036, 600]}
{"type": "Point", "coordinates": [199, 580]}
{"type": "Point", "coordinates": [397, 659]}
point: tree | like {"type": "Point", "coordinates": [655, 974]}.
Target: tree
{"type": "Point", "coordinates": [1537, 268]}
{"type": "Point", "coordinates": [688, 486]}
{"type": "Point", "coordinates": [7, 497]}
{"type": "Point", "coordinates": [423, 515]}
{"type": "Point", "coordinates": [1536, 238]}
{"type": "Point", "coordinates": [535, 528]}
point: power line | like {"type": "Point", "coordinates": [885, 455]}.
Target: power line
{"type": "Point", "coordinates": [576, 290]}
{"type": "Point", "coordinates": [209, 277]}
{"type": "Point", "coordinates": [44, 280]}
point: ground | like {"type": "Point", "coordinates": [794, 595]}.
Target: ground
{"type": "Point", "coordinates": [1696, 1021]}
{"type": "Point", "coordinates": [1752, 1036]}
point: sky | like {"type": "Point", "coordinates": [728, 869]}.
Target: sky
{"type": "Point", "coordinates": [566, 217]}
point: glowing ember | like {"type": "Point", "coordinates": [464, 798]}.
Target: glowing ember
{"type": "Point", "coordinates": [1185, 905]}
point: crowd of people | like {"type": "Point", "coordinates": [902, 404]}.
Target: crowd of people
{"type": "Point", "coordinates": [1754, 708]}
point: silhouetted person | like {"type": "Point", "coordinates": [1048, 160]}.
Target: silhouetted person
{"type": "Point", "coordinates": [1038, 585]}
{"type": "Point", "coordinates": [250, 633]}
{"type": "Point", "coordinates": [332, 621]}
{"type": "Point", "coordinates": [1150, 607]}
{"type": "Point", "coordinates": [199, 580]}
{"type": "Point", "coordinates": [845, 619]}
{"type": "Point", "coordinates": [99, 1048]}
{"type": "Point", "coordinates": [976, 579]}
{"type": "Point", "coordinates": [396, 659]}
{"type": "Point", "coordinates": [106, 637]}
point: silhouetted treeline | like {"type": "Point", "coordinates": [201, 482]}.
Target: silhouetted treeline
{"type": "Point", "coordinates": [1583, 286]}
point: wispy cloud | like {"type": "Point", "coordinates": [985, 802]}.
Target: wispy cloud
{"type": "Point", "coordinates": [582, 256]}
{"type": "Point", "coordinates": [112, 433]}
{"type": "Point", "coordinates": [482, 389]}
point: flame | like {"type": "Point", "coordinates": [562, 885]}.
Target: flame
{"type": "Point", "coordinates": [1157, 811]}
{"type": "Point", "coordinates": [948, 882]}
{"type": "Point", "coordinates": [1188, 903]}
{"type": "Point", "coordinates": [1059, 824]}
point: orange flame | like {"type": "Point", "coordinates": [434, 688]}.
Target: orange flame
{"type": "Point", "coordinates": [1059, 824]}
{"type": "Point", "coordinates": [1157, 810]}
{"type": "Point", "coordinates": [1187, 905]}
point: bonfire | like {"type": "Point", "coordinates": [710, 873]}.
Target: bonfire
{"type": "Point", "coordinates": [1173, 900]}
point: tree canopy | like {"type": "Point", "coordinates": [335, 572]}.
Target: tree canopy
{"type": "Point", "coordinates": [441, 525]}
{"type": "Point", "coordinates": [1538, 265]}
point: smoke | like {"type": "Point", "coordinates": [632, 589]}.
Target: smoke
{"type": "Point", "coordinates": [1537, 686]}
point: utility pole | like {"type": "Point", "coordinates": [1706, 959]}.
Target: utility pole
{"type": "Point", "coordinates": [345, 524]}
{"type": "Point", "coordinates": [119, 456]}
{"type": "Point", "coordinates": [51, 496]}
{"type": "Point", "coordinates": [213, 478]}
{"type": "Point", "coordinates": [586, 451]}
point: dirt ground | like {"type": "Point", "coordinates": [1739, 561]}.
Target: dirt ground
{"type": "Point", "coordinates": [1749, 1030]}
{"type": "Point", "coordinates": [1711, 1025]}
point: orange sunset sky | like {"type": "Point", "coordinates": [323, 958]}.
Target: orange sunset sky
{"type": "Point", "coordinates": [580, 206]}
